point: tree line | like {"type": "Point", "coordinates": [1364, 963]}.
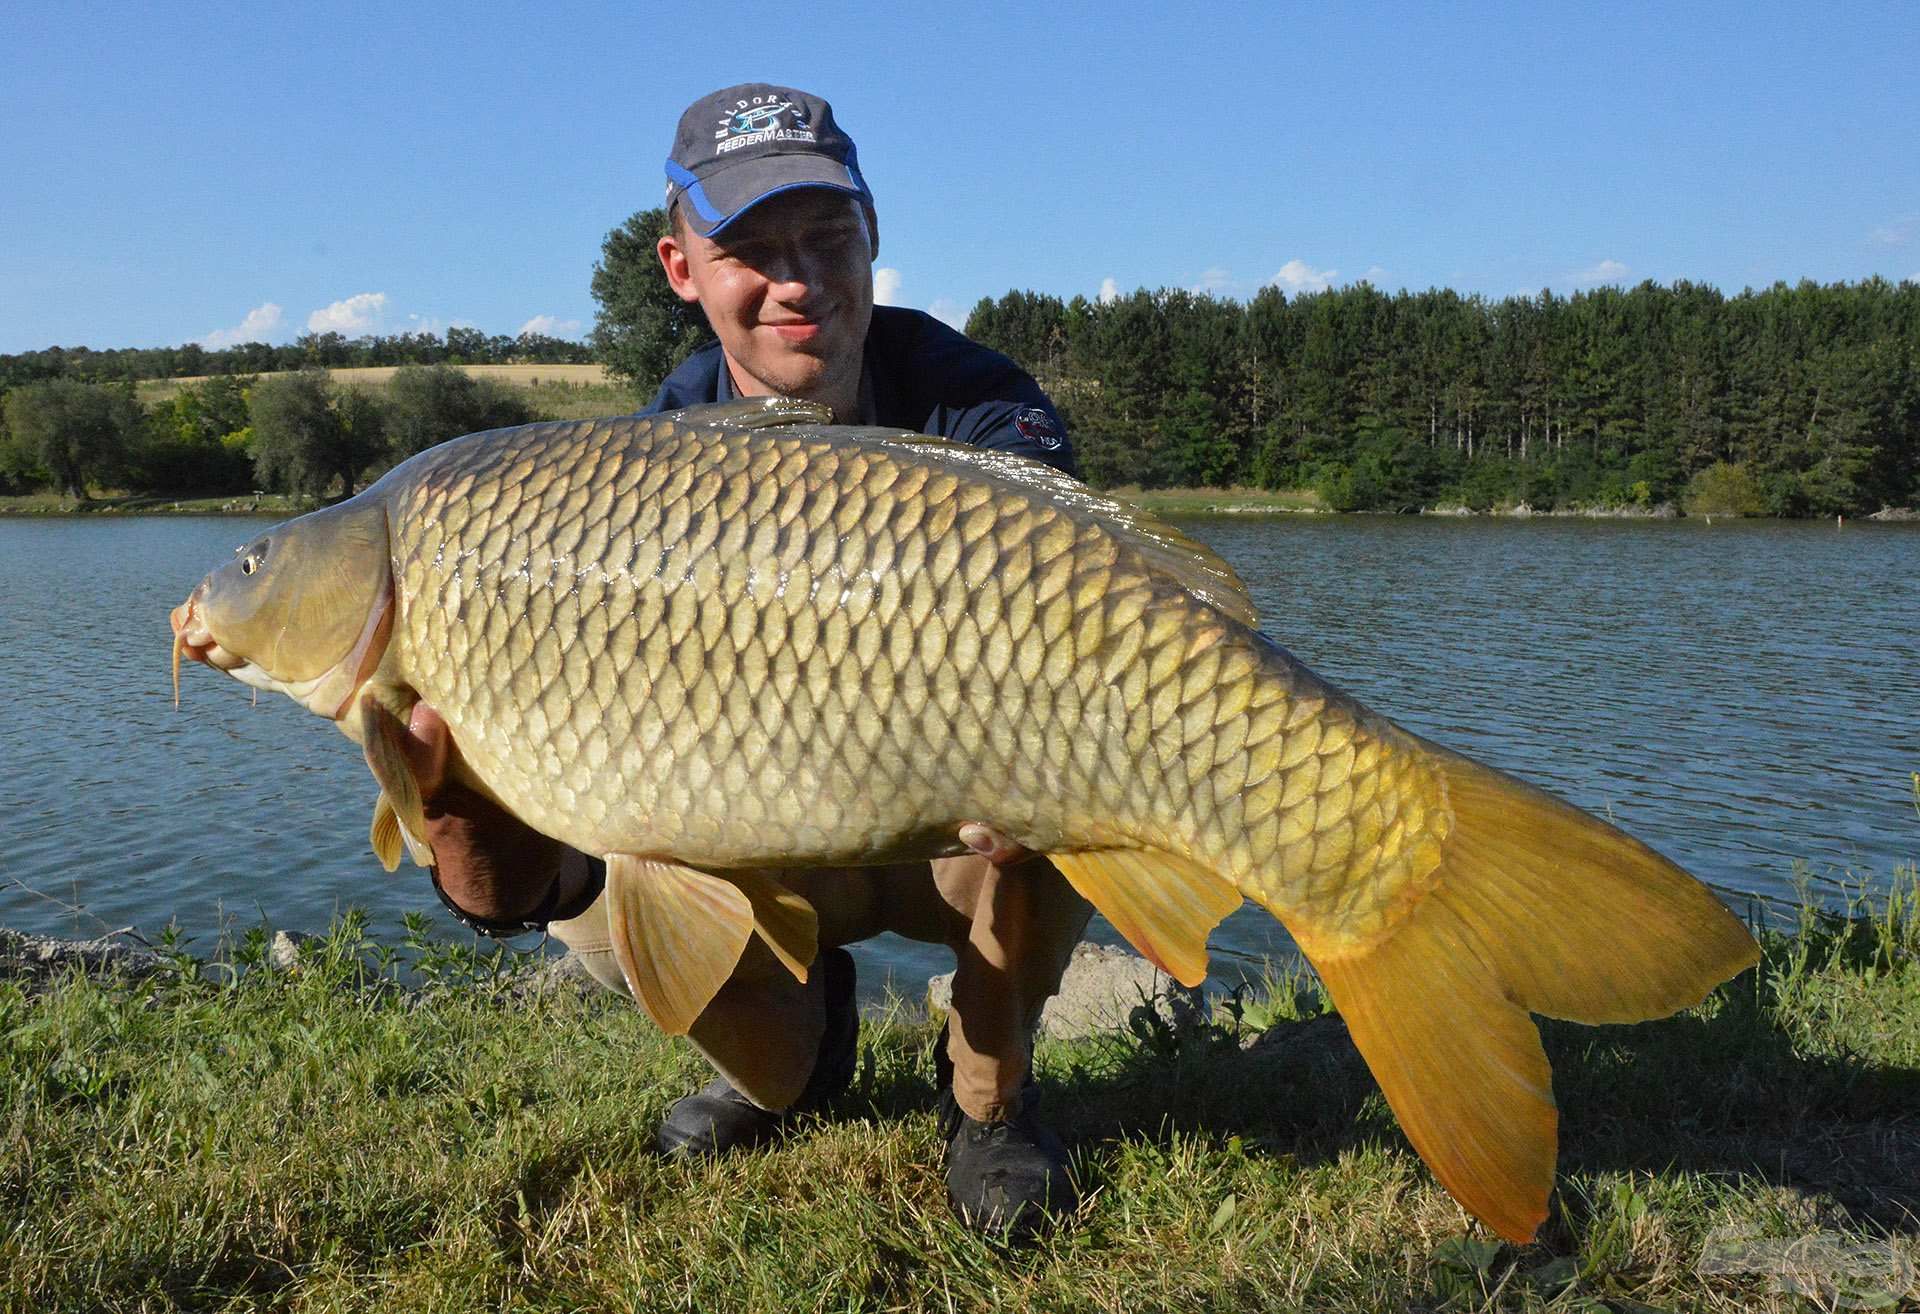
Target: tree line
{"type": "Point", "coordinates": [457, 346]}
{"type": "Point", "coordinates": [296, 432]}
{"type": "Point", "coordinates": [1791, 400]}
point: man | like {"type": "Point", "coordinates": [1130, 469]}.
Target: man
{"type": "Point", "coordinates": [773, 236]}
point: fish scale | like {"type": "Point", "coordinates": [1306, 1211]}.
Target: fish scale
{"type": "Point", "coordinates": [728, 639]}
{"type": "Point", "coordinates": [984, 626]}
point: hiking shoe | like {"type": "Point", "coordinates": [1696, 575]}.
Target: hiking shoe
{"type": "Point", "coordinates": [1008, 1176]}
{"type": "Point", "coordinates": [717, 1119]}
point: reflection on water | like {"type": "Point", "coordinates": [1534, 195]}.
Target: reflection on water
{"type": "Point", "coordinates": [1739, 696]}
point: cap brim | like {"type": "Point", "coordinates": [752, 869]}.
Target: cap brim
{"type": "Point", "coordinates": [729, 192]}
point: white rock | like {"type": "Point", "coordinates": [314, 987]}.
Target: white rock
{"type": "Point", "coordinates": [284, 953]}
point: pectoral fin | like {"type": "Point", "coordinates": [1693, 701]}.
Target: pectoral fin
{"type": "Point", "coordinates": [783, 919]}
{"type": "Point", "coordinates": [1164, 905]}
{"type": "Point", "coordinates": [388, 837]}
{"type": "Point", "coordinates": [381, 737]}
{"type": "Point", "coordinates": [677, 934]}
{"type": "Point", "coordinates": [384, 833]}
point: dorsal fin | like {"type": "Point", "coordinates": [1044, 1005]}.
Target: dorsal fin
{"type": "Point", "coordinates": [759, 413]}
{"type": "Point", "coordinates": [1198, 568]}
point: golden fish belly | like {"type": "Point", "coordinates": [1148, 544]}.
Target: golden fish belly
{"type": "Point", "coordinates": [783, 648]}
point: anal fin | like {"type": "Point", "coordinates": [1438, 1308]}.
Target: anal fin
{"type": "Point", "coordinates": [381, 737]}
{"type": "Point", "coordinates": [677, 934]}
{"type": "Point", "coordinates": [1166, 906]}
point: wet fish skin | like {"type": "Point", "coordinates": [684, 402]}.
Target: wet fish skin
{"type": "Point", "coordinates": [858, 649]}
{"type": "Point", "coordinates": [740, 641]}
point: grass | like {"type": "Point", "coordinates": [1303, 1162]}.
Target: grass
{"type": "Point", "coordinates": [1195, 501]}
{"type": "Point", "coordinates": [235, 1137]}
{"type": "Point", "coordinates": [114, 502]}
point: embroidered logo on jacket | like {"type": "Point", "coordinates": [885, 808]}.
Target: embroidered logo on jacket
{"type": "Point", "coordinates": [1039, 427]}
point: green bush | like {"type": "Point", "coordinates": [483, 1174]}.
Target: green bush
{"type": "Point", "coordinates": [1725, 488]}
{"type": "Point", "coordinates": [428, 404]}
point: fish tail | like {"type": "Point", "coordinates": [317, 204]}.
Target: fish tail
{"type": "Point", "coordinates": [1535, 907]}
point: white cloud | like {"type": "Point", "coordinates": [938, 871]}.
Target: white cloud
{"type": "Point", "coordinates": [1607, 271]}
{"type": "Point", "coordinates": [549, 327]}
{"type": "Point", "coordinates": [1299, 276]}
{"type": "Point", "coordinates": [1896, 232]}
{"type": "Point", "coordinates": [886, 286]}
{"type": "Point", "coordinates": [1374, 275]}
{"type": "Point", "coordinates": [948, 311]}
{"type": "Point", "coordinates": [435, 325]}
{"type": "Point", "coordinates": [357, 314]}
{"type": "Point", "coordinates": [1109, 291]}
{"type": "Point", "coordinates": [260, 324]}
{"type": "Point", "coordinates": [1213, 281]}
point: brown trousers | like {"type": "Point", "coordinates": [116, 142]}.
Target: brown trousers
{"type": "Point", "coordinates": [1011, 931]}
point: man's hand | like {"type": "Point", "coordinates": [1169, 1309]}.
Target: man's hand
{"type": "Point", "coordinates": [992, 845]}
{"type": "Point", "coordinates": [490, 863]}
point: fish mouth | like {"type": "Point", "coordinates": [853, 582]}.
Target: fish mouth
{"type": "Point", "coordinates": [194, 641]}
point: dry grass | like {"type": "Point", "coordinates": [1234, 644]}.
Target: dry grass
{"type": "Point", "coordinates": [379, 376]}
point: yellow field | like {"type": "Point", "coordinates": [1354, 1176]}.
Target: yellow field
{"type": "Point", "coordinates": [378, 376]}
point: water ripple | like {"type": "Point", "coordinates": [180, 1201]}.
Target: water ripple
{"type": "Point", "coordinates": [1741, 697]}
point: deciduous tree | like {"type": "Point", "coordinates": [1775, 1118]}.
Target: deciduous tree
{"type": "Point", "coordinates": [308, 435]}
{"type": "Point", "coordinates": [642, 330]}
{"type": "Point", "coordinates": [79, 432]}
{"type": "Point", "coordinates": [428, 404]}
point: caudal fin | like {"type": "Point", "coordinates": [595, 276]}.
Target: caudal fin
{"type": "Point", "coordinates": [1536, 907]}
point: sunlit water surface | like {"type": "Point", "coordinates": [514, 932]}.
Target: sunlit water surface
{"type": "Point", "coordinates": [1742, 696]}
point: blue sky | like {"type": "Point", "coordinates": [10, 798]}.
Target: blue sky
{"type": "Point", "coordinates": [170, 176]}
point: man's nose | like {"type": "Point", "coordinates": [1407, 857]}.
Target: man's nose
{"type": "Point", "coordinates": [795, 273]}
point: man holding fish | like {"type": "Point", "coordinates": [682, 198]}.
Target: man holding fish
{"type": "Point", "coordinates": [773, 235]}
{"type": "Point", "coordinates": [722, 648]}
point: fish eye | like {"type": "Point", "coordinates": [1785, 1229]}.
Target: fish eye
{"type": "Point", "coordinates": [255, 556]}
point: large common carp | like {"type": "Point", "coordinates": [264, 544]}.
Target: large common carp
{"type": "Point", "coordinates": [729, 639]}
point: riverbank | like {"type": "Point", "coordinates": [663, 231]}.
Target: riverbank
{"type": "Point", "coordinates": [150, 504]}
{"type": "Point", "coordinates": [323, 1137]}
{"type": "Point", "coordinates": [1160, 501]}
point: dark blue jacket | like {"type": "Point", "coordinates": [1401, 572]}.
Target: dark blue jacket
{"type": "Point", "coordinates": [927, 378]}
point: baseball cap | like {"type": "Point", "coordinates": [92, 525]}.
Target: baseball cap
{"type": "Point", "coordinates": [736, 147]}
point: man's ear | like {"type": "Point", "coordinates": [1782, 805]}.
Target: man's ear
{"type": "Point", "coordinates": [873, 230]}
{"type": "Point", "coordinates": [673, 260]}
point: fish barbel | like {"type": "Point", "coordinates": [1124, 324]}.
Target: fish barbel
{"type": "Point", "coordinates": [725, 640]}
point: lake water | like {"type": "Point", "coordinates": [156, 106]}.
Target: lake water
{"type": "Point", "coordinates": [1742, 696]}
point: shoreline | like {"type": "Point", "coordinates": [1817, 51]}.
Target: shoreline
{"type": "Point", "coordinates": [1160, 501]}
{"type": "Point", "coordinates": [38, 506]}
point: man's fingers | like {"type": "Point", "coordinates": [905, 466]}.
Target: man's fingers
{"type": "Point", "coordinates": [992, 845]}
{"type": "Point", "coordinates": [427, 746]}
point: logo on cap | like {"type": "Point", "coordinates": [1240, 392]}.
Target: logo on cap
{"type": "Point", "coordinates": [758, 120]}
